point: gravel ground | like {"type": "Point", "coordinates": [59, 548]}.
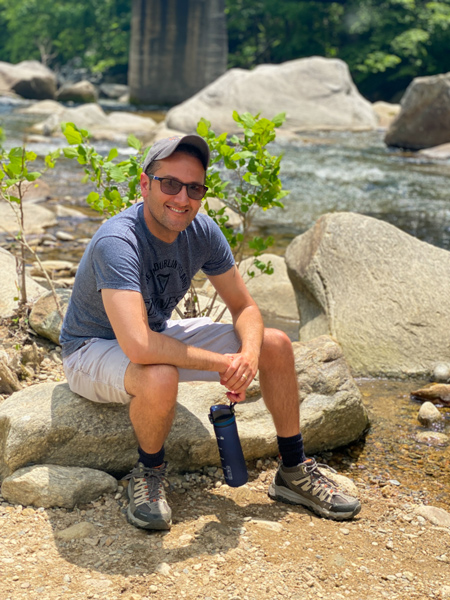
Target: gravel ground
{"type": "Point", "coordinates": [230, 544]}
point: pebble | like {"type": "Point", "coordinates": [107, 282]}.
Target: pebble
{"type": "Point", "coordinates": [64, 236]}
{"type": "Point", "coordinates": [163, 569]}
{"type": "Point", "coordinates": [153, 589]}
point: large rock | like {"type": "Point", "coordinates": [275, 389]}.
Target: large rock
{"type": "Point", "coordinates": [384, 295]}
{"type": "Point", "coordinates": [81, 92]}
{"type": "Point", "coordinates": [274, 293]}
{"type": "Point", "coordinates": [36, 218]}
{"type": "Point", "coordinates": [8, 287]}
{"type": "Point", "coordinates": [424, 120]}
{"type": "Point", "coordinates": [52, 485]}
{"type": "Point", "coordinates": [45, 318]}
{"type": "Point", "coordinates": [30, 79]}
{"type": "Point", "coordinates": [48, 424]}
{"type": "Point", "coordinates": [386, 113]}
{"type": "Point", "coordinates": [315, 93]}
{"type": "Point", "coordinates": [115, 126]}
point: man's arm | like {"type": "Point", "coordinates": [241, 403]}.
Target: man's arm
{"type": "Point", "coordinates": [128, 317]}
{"type": "Point", "coordinates": [249, 327]}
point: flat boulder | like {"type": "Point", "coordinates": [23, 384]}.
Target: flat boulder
{"type": "Point", "coordinates": [381, 293]}
{"type": "Point", "coordinates": [8, 288]}
{"type": "Point", "coordinates": [29, 79]}
{"type": "Point", "coordinates": [424, 119]}
{"type": "Point", "coordinates": [36, 218]}
{"type": "Point", "coordinates": [315, 93]}
{"type": "Point", "coordinates": [48, 424]}
{"type": "Point", "coordinates": [115, 126]}
{"type": "Point", "coordinates": [52, 485]}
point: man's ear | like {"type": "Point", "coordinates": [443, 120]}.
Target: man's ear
{"type": "Point", "coordinates": [145, 184]}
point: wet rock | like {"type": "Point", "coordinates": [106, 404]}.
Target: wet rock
{"type": "Point", "coordinates": [8, 287]}
{"type": "Point", "coordinates": [441, 373]}
{"type": "Point", "coordinates": [438, 393]}
{"type": "Point", "coordinates": [78, 531]}
{"type": "Point", "coordinates": [424, 120]}
{"type": "Point", "coordinates": [432, 438]}
{"type": "Point", "coordinates": [49, 486]}
{"type": "Point", "coordinates": [45, 318]}
{"type": "Point", "coordinates": [441, 152]}
{"type": "Point", "coordinates": [80, 92]}
{"type": "Point", "coordinates": [372, 287]}
{"type": "Point", "coordinates": [429, 414]}
{"type": "Point", "coordinates": [436, 516]}
{"type": "Point", "coordinates": [64, 236]}
{"type": "Point", "coordinates": [315, 93]}
{"type": "Point", "coordinates": [113, 91]}
{"type": "Point", "coordinates": [48, 424]}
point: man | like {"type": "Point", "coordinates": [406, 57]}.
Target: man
{"type": "Point", "coordinates": [119, 344]}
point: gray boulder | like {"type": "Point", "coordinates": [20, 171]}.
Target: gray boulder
{"type": "Point", "coordinates": [373, 288]}
{"type": "Point", "coordinates": [45, 318]}
{"type": "Point", "coordinates": [36, 218]}
{"type": "Point", "coordinates": [52, 485]}
{"type": "Point", "coordinates": [315, 93]}
{"type": "Point", "coordinates": [30, 79]}
{"type": "Point", "coordinates": [81, 92]}
{"type": "Point", "coordinates": [48, 424]}
{"type": "Point", "coordinates": [424, 120]}
{"type": "Point", "coordinates": [8, 288]}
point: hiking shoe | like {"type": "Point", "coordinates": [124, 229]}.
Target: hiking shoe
{"type": "Point", "coordinates": [306, 485]}
{"type": "Point", "coordinates": [148, 506]}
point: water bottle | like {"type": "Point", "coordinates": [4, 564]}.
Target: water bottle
{"type": "Point", "coordinates": [231, 456]}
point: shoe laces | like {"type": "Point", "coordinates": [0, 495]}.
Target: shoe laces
{"type": "Point", "coordinates": [149, 484]}
{"type": "Point", "coordinates": [312, 468]}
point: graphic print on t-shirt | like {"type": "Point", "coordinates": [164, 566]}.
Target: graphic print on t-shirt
{"type": "Point", "coordinates": [167, 283]}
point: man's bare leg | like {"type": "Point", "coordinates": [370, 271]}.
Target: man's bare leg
{"type": "Point", "coordinates": [279, 382]}
{"type": "Point", "coordinates": [152, 409]}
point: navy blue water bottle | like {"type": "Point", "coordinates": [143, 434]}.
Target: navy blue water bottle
{"type": "Point", "coordinates": [231, 456]}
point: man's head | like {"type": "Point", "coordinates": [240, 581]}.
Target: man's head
{"type": "Point", "coordinates": [166, 147]}
{"type": "Point", "coordinates": [172, 184]}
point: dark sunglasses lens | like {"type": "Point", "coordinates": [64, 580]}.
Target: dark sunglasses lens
{"type": "Point", "coordinates": [196, 192]}
{"type": "Point", "coordinates": [170, 186]}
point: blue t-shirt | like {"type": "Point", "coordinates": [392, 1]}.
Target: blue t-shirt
{"type": "Point", "coordinates": [124, 255]}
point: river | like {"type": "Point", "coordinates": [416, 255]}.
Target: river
{"type": "Point", "coordinates": [326, 172]}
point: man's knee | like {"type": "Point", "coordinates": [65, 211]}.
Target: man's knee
{"type": "Point", "coordinates": [151, 379]}
{"type": "Point", "coordinates": [276, 344]}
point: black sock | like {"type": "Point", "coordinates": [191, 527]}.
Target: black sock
{"type": "Point", "coordinates": [291, 450]}
{"type": "Point", "coordinates": [151, 460]}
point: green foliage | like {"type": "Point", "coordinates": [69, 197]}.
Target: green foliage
{"type": "Point", "coordinates": [253, 184]}
{"type": "Point", "coordinates": [385, 43]}
{"type": "Point", "coordinates": [107, 176]}
{"type": "Point", "coordinates": [15, 173]}
{"type": "Point", "coordinates": [96, 31]}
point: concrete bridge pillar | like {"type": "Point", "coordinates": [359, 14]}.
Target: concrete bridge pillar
{"type": "Point", "coordinates": [177, 48]}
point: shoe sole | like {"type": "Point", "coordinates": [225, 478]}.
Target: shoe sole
{"type": "Point", "coordinates": [157, 524]}
{"type": "Point", "coordinates": [283, 494]}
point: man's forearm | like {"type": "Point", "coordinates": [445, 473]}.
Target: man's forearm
{"type": "Point", "coordinates": [250, 330]}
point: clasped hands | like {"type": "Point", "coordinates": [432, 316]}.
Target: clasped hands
{"type": "Point", "coordinates": [239, 375]}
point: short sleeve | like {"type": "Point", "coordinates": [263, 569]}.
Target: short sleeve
{"type": "Point", "coordinates": [220, 259]}
{"type": "Point", "coordinates": [115, 263]}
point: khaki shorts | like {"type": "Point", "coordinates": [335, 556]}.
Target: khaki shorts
{"type": "Point", "coordinates": [97, 370]}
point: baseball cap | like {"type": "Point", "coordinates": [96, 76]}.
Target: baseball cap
{"type": "Point", "coordinates": [167, 146]}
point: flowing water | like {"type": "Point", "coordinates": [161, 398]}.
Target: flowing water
{"type": "Point", "coordinates": [325, 172]}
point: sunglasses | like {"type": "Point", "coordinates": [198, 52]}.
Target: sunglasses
{"type": "Point", "coordinates": [195, 191]}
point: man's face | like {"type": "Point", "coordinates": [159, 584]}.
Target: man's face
{"type": "Point", "coordinates": [167, 215]}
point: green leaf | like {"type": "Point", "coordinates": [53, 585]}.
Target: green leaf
{"type": "Point", "coordinates": [70, 152]}
{"type": "Point", "coordinates": [71, 133]}
{"type": "Point", "coordinates": [32, 176]}
{"type": "Point", "coordinates": [203, 128]}
{"type": "Point", "coordinates": [92, 198]}
{"type": "Point", "coordinates": [133, 142]}
{"type": "Point", "coordinates": [279, 119]}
